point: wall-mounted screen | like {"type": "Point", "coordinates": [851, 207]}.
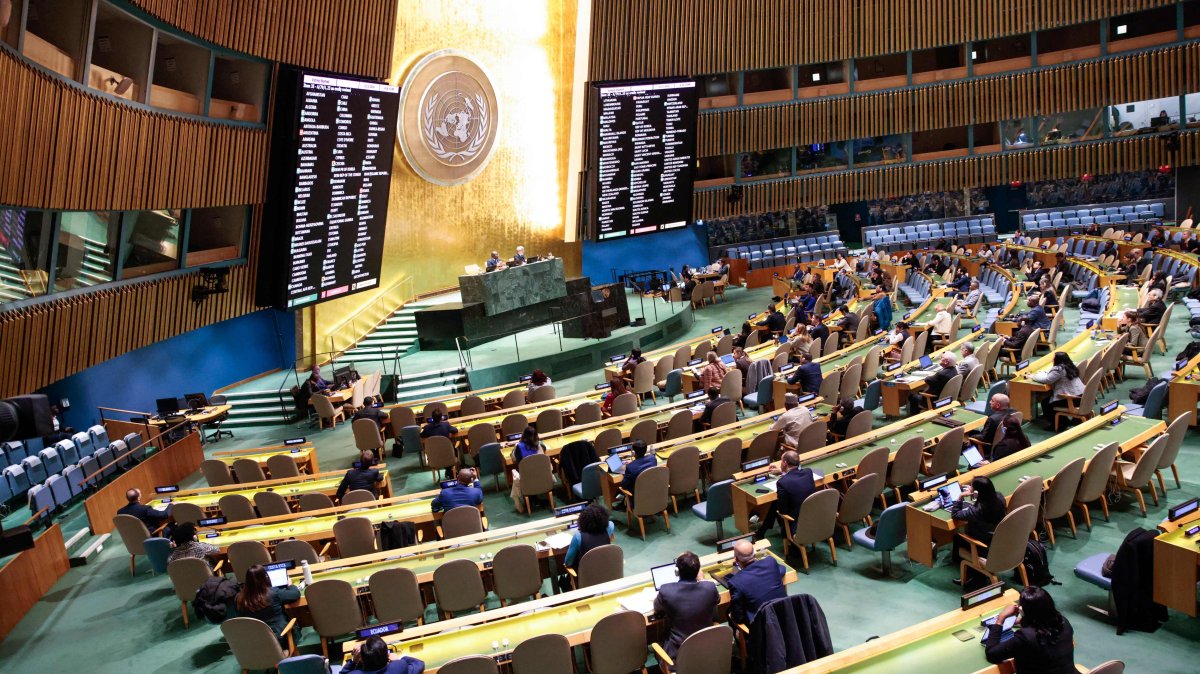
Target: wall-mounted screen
{"type": "Point", "coordinates": [645, 154]}
{"type": "Point", "coordinates": [331, 175]}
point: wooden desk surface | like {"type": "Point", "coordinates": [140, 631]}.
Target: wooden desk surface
{"type": "Point", "coordinates": [572, 614]}
{"type": "Point", "coordinates": [1022, 386]}
{"type": "Point", "coordinates": [928, 644]}
{"type": "Point", "coordinates": [1043, 460]}
{"type": "Point", "coordinates": [1184, 391]}
{"type": "Point", "coordinates": [531, 411]}
{"type": "Point", "coordinates": [305, 457]}
{"type": "Point", "coordinates": [1120, 299]}
{"type": "Point", "coordinates": [287, 487]}
{"type": "Point", "coordinates": [490, 395]}
{"type": "Point", "coordinates": [204, 416]}
{"type": "Point", "coordinates": [1176, 558]}
{"type": "Point", "coordinates": [841, 458]}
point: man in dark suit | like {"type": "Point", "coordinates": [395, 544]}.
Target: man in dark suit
{"type": "Point", "coordinates": [361, 476]}
{"type": "Point", "coordinates": [848, 324]}
{"type": "Point", "coordinates": [688, 605]}
{"type": "Point", "coordinates": [808, 375]}
{"type": "Point", "coordinates": [775, 321]}
{"type": "Point", "coordinates": [795, 485]}
{"type": "Point", "coordinates": [151, 517]}
{"type": "Point", "coordinates": [935, 383]}
{"type": "Point", "coordinates": [1153, 312]}
{"type": "Point", "coordinates": [715, 400]}
{"type": "Point", "coordinates": [999, 410]}
{"type": "Point", "coordinates": [464, 492]}
{"type": "Point", "coordinates": [437, 425]}
{"type": "Point", "coordinates": [1016, 341]}
{"type": "Point", "coordinates": [753, 583]}
{"type": "Point", "coordinates": [641, 461]}
{"type": "Point", "coordinates": [1037, 315]}
{"type": "Point", "coordinates": [817, 328]}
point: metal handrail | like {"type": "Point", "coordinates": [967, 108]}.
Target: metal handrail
{"type": "Point", "coordinates": [376, 318]}
{"type": "Point", "coordinates": [130, 450]}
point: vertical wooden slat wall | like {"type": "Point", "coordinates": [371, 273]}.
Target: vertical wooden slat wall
{"type": "Point", "coordinates": [1162, 72]}
{"type": "Point", "coordinates": [65, 148]}
{"type": "Point", "coordinates": [658, 38]}
{"type": "Point", "coordinates": [353, 37]}
{"type": "Point", "coordinates": [1131, 154]}
{"type": "Point", "coordinates": [44, 343]}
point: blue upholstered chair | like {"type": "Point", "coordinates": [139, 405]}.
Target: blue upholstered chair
{"type": "Point", "coordinates": [890, 532]}
{"type": "Point", "coordinates": [717, 505]}
{"type": "Point", "coordinates": [589, 488]}
{"type": "Point", "coordinates": [491, 460]}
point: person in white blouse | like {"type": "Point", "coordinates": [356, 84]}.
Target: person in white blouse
{"type": "Point", "coordinates": [942, 322]}
{"type": "Point", "coordinates": [840, 264]}
{"type": "Point", "coordinates": [1064, 377]}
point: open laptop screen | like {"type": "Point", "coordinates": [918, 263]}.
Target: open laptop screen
{"type": "Point", "coordinates": [667, 573]}
{"type": "Point", "coordinates": [926, 362]}
{"type": "Point", "coordinates": [278, 573]}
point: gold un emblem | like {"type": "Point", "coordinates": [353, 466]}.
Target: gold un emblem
{"type": "Point", "coordinates": [449, 118]}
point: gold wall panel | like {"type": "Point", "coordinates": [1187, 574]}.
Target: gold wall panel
{"type": "Point", "coordinates": [344, 36]}
{"type": "Point", "coordinates": [1067, 161]}
{"type": "Point", "coordinates": [64, 148]}
{"type": "Point", "coordinates": [1170, 71]}
{"type": "Point", "coordinates": [434, 231]}
{"type": "Point", "coordinates": [659, 38]}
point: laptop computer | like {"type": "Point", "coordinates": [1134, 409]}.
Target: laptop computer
{"type": "Point", "coordinates": [727, 359]}
{"type": "Point", "coordinates": [948, 494]}
{"type": "Point", "coordinates": [667, 573]}
{"type": "Point", "coordinates": [926, 364]}
{"type": "Point", "coordinates": [972, 456]}
{"type": "Point", "coordinates": [277, 573]}
{"type": "Point", "coordinates": [1006, 628]}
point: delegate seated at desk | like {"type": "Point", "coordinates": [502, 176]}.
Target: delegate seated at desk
{"type": "Point", "coordinates": [519, 257]}
{"type": "Point", "coordinates": [361, 476]}
{"type": "Point", "coordinates": [753, 583]}
{"type": "Point", "coordinates": [494, 263]}
{"type": "Point", "coordinates": [688, 605]}
{"type": "Point", "coordinates": [151, 517]}
{"type": "Point", "coordinates": [808, 375]}
{"type": "Point", "coordinates": [464, 492]}
{"type": "Point", "coordinates": [315, 383]}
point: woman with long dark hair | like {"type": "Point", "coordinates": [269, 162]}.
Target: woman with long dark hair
{"type": "Point", "coordinates": [1042, 640]}
{"type": "Point", "coordinates": [527, 445]}
{"type": "Point", "coordinates": [257, 599]}
{"type": "Point", "coordinates": [1013, 439]}
{"type": "Point", "coordinates": [1064, 377]}
{"type": "Point", "coordinates": [615, 389]}
{"type": "Point", "coordinates": [981, 508]}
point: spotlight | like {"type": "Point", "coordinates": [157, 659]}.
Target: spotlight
{"type": "Point", "coordinates": [735, 194]}
{"type": "Point", "coordinates": [212, 282]}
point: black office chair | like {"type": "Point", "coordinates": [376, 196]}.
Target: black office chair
{"type": "Point", "coordinates": [216, 425]}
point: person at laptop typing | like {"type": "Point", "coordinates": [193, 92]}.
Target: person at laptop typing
{"type": "Point", "coordinates": [935, 383]}
{"type": "Point", "coordinates": [1042, 641]}
{"type": "Point", "coordinates": [981, 508]}
{"type": "Point", "coordinates": [808, 375]}
{"type": "Point", "coordinates": [373, 657]}
{"type": "Point", "coordinates": [1000, 408]}
{"type": "Point", "coordinates": [1011, 441]}
{"type": "Point", "coordinates": [641, 461]}
{"type": "Point", "coordinates": [462, 493]}
{"type": "Point", "coordinates": [688, 604]}
{"type": "Point", "coordinates": [793, 421]}
{"type": "Point", "coordinates": [258, 599]}
{"type": "Point", "coordinates": [754, 582]}
{"type": "Point", "coordinates": [795, 485]}
{"type": "Point", "coordinates": [316, 383]}
{"type": "Point", "coordinates": [361, 476]}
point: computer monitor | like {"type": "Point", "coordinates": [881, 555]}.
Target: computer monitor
{"type": "Point", "coordinates": [167, 405]}
{"type": "Point", "coordinates": [1156, 122]}
{"type": "Point", "coordinates": [196, 400]}
{"type": "Point", "coordinates": [166, 489]}
{"type": "Point", "coordinates": [667, 573]}
{"type": "Point", "coordinates": [1023, 364]}
{"type": "Point", "coordinates": [931, 482]}
{"type": "Point", "coordinates": [982, 595]}
{"type": "Point", "coordinates": [926, 362]}
{"type": "Point", "coordinates": [278, 572]}
{"type": "Point", "coordinates": [755, 464]}
{"type": "Point", "coordinates": [619, 449]}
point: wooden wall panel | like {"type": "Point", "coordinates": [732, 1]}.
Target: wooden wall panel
{"type": "Point", "coordinates": [1067, 161]}
{"type": "Point", "coordinates": [659, 38]}
{"type": "Point", "coordinates": [345, 37]}
{"type": "Point", "coordinates": [1119, 79]}
{"type": "Point", "coordinates": [169, 465]}
{"type": "Point", "coordinates": [46, 342]}
{"type": "Point", "coordinates": [28, 576]}
{"type": "Point", "coordinates": [65, 148]}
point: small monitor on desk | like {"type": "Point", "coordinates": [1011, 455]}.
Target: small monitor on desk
{"type": "Point", "coordinates": [573, 509]}
{"type": "Point", "coordinates": [982, 595]}
{"type": "Point", "coordinates": [1185, 508]}
{"type": "Point", "coordinates": [167, 405]}
{"type": "Point", "coordinates": [1022, 365]}
{"type": "Point", "coordinates": [727, 544]}
{"type": "Point", "coordinates": [755, 464]}
{"type": "Point", "coordinates": [1110, 407]}
{"type": "Point", "coordinates": [695, 394]}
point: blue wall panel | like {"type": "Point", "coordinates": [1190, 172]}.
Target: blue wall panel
{"type": "Point", "coordinates": [664, 250]}
{"type": "Point", "coordinates": [202, 360]}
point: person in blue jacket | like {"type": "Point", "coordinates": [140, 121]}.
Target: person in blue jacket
{"type": "Point", "coordinates": [373, 657]}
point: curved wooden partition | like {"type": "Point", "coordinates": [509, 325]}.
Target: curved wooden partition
{"type": "Point", "coordinates": [634, 39]}
{"type": "Point", "coordinates": [996, 169]}
{"type": "Point", "coordinates": [353, 37]}
{"type": "Point", "coordinates": [66, 148]}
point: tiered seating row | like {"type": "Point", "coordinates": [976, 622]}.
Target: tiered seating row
{"type": "Point", "coordinates": [51, 477]}
{"type": "Point", "coordinates": [910, 235]}
{"type": "Point", "coordinates": [789, 251]}
{"type": "Point", "coordinates": [1062, 222]}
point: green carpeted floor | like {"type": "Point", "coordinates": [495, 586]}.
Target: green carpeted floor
{"type": "Point", "coordinates": [98, 619]}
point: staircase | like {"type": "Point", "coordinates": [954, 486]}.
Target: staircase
{"type": "Point", "coordinates": [96, 267]}
{"type": "Point", "coordinates": [12, 285]}
{"type": "Point", "coordinates": [395, 337]}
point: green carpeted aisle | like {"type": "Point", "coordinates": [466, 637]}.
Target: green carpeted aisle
{"type": "Point", "coordinates": [98, 619]}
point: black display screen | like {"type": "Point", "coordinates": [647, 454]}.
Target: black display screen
{"type": "Point", "coordinates": [344, 135]}
{"type": "Point", "coordinates": [645, 150]}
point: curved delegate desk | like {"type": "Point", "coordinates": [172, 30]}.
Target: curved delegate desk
{"type": "Point", "coordinates": [1022, 388]}
{"type": "Point", "coordinates": [927, 530]}
{"type": "Point", "coordinates": [291, 488]}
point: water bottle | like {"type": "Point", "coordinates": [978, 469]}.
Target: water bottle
{"type": "Point", "coordinates": [308, 579]}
